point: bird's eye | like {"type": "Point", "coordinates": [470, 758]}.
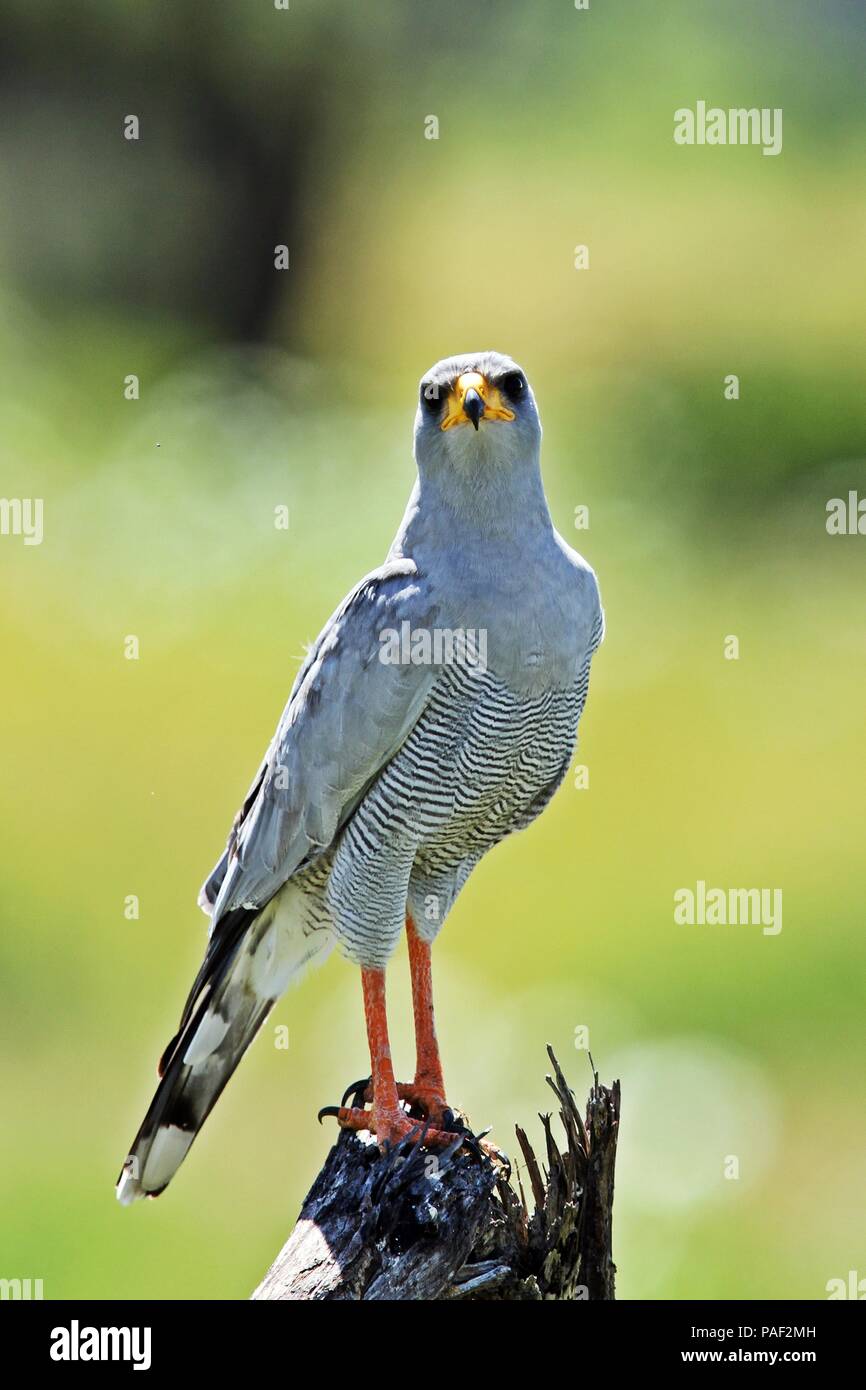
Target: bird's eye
{"type": "Point", "coordinates": [431, 395]}
{"type": "Point", "coordinates": [514, 385]}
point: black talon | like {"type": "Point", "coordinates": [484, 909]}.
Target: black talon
{"type": "Point", "coordinates": [329, 1110]}
{"type": "Point", "coordinates": [355, 1089]}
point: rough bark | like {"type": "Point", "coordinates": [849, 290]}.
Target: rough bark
{"type": "Point", "coordinates": [414, 1224]}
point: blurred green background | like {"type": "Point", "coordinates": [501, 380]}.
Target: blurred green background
{"type": "Point", "coordinates": [261, 388]}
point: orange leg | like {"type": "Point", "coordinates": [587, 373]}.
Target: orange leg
{"type": "Point", "coordinates": [429, 1087]}
{"type": "Point", "coordinates": [427, 1091]}
{"type": "Point", "coordinates": [385, 1119]}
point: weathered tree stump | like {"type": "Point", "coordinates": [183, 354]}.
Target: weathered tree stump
{"type": "Point", "coordinates": [416, 1224]}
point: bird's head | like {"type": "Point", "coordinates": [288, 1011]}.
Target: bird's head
{"type": "Point", "coordinates": [477, 420]}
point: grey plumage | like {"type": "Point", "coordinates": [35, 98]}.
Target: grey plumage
{"type": "Point", "coordinates": [387, 780]}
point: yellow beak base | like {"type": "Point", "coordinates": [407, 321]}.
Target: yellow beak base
{"type": "Point", "coordinates": [456, 412]}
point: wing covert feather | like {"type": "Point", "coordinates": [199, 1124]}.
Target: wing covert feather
{"type": "Point", "coordinates": [346, 717]}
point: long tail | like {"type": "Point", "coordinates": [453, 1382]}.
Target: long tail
{"type": "Point", "coordinates": [246, 970]}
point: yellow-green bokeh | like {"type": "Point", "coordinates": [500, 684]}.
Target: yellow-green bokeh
{"type": "Point", "coordinates": [707, 518]}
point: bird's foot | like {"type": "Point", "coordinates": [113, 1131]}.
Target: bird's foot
{"type": "Point", "coordinates": [391, 1126]}
{"type": "Point", "coordinates": [433, 1122]}
{"type": "Point", "coordinates": [425, 1101]}
{"type": "Point", "coordinates": [428, 1103]}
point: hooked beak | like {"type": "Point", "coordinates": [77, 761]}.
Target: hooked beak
{"type": "Point", "coordinates": [473, 399]}
{"type": "Point", "coordinates": [473, 406]}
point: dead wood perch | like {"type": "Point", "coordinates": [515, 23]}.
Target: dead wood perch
{"type": "Point", "coordinates": [412, 1224]}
